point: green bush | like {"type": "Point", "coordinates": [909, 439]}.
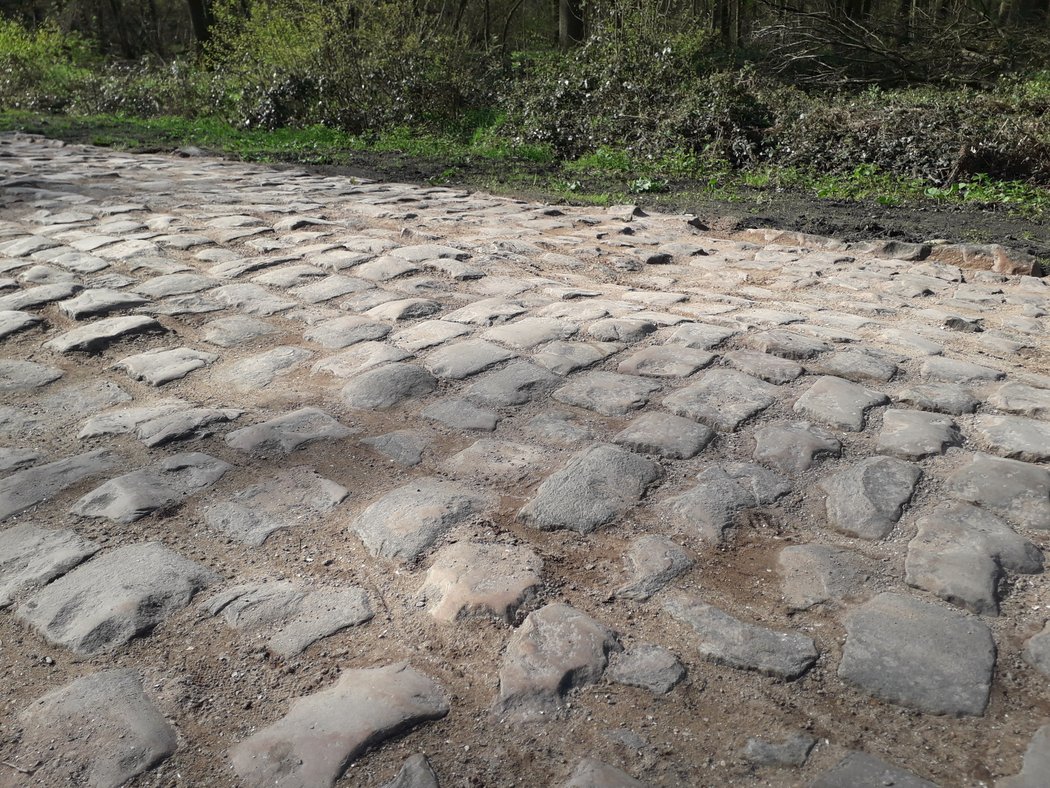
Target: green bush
{"type": "Point", "coordinates": [40, 69]}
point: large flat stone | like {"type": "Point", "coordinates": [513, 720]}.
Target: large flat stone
{"type": "Point", "coordinates": [18, 375]}
{"type": "Point", "coordinates": [345, 331]}
{"type": "Point", "coordinates": [592, 773]}
{"type": "Point", "coordinates": [794, 448]}
{"type": "Point", "coordinates": [470, 580]}
{"type": "Point", "coordinates": [259, 371]}
{"type": "Point", "coordinates": [562, 358]}
{"type": "Point", "coordinates": [31, 557]}
{"type": "Point", "coordinates": [34, 485]}
{"type": "Point", "coordinates": [288, 432]}
{"type": "Point", "coordinates": [182, 424]}
{"type": "Point", "coordinates": [665, 361]}
{"type": "Point", "coordinates": [294, 498]}
{"type": "Point", "coordinates": [100, 730]}
{"type": "Point", "coordinates": [866, 500]}
{"type": "Point", "coordinates": [838, 403]}
{"type": "Point", "coordinates": [462, 359]}
{"type": "Point", "coordinates": [1019, 492]}
{"type": "Point", "coordinates": [161, 485]}
{"type": "Point", "coordinates": [652, 563]}
{"type": "Point", "coordinates": [556, 649]}
{"type": "Point", "coordinates": [812, 574]}
{"type": "Point", "coordinates": [406, 522]}
{"type": "Point", "coordinates": [593, 488]}
{"type": "Point", "coordinates": [288, 617]}
{"type": "Point", "coordinates": [1021, 400]}
{"type": "Point", "coordinates": [860, 770]}
{"type": "Point", "coordinates": [668, 436]}
{"type": "Point", "coordinates": [387, 386]}
{"type": "Point", "coordinates": [606, 392]}
{"type": "Point", "coordinates": [515, 384]}
{"type": "Point", "coordinates": [100, 334]}
{"type": "Point", "coordinates": [1014, 437]}
{"type": "Point", "coordinates": [116, 596]}
{"type": "Point", "coordinates": [312, 745]}
{"type": "Point", "coordinates": [100, 301]}
{"type": "Point", "coordinates": [916, 654]}
{"type": "Point", "coordinates": [723, 399]}
{"type": "Point", "coordinates": [708, 508]}
{"type": "Point", "coordinates": [914, 434]}
{"type": "Point", "coordinates": [158, 367]}
{"type": "Point", "coordinates": [494, 461]}
{"type": "Point", "coordinates": [1036, 764]}
{"type": "Point", "coordinates": [961, 554]}
{"type": "Point", "coordinates": [726, 640]}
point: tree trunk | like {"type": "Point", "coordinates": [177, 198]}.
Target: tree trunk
{"type": "Point", "coordinates": [570, 23]}
{"type": "Point", "coordinates": [200, 16]}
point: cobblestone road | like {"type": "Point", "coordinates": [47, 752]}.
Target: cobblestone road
{"type": "Point", "coordinates": [312, 481]}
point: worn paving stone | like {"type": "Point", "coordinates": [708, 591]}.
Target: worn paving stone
{"type": "Point", "coordinates": [12, 321]}
{"type": "Point", "coordinates": [652, 562]}
{"type": "Point", "coordinates": [322, 733]}
{"type": "Point", "coordinates": [563, 358]}
{"type": "Point", "coordinates": [792, 751]}
{"type": "Point", "coordinates": [288, 432]}
{"type": "Point", "coordinates": [415, 773]}
{"type": "Point", "coordinates": [388, 386]}
{"type": "Point", "coordinates": [592, 773]}
{"type": "Point", "coordinates": [812, 574]}
{"type": "Point", "coordinates": [866, 500]}
{"type": "Point", "coordinates": [289, 617]}
{"type": "Point", "coordinates": [252, 299]}
{"type": "Point", "coordinates": [99, 301]}
{"type": "Point", "coordinates": [166, 483]}
{"type": "Point", "coordinates": [647, 666]}
{"type": "Point", "coordinates": [259, 371]}
{"type": "Point", "coordinates": [793, 448]}
{"type": "Point", "coordinates": [860, 770]}
{"type": "Point", "coordinates": [668, 436]}
{"type": "Point", "coordinates": [557, 649]}
{"type": "Point", "coordinates": [854, 366]}
{"type": "Point", "coordinates": [158, 367]}
{"type": "Point", "coordinates": [358, 358]}
{"type": "Point", "coordinates": [961, 554]}
{"type": "Point", "coordinates": [345, 331]}
{"type": "Point", "coordinates": [914, 434]}
{"type": "Point", "coordinates": [459, 414]}
{"type": "Point", "coordinates": [1037, 650]}
{"type": "Point", "coordinates": [29, 487]}
{"type": "Point", "coordinates": [950, 370]}
{"type": "Point", "coordinates": [497, 461]}
{"type": "Point", "coordinates": [182, 424]}
{"type": "Point", "coordinates": [237, 330]}
{"type": "Point", "coordinates": [530, 332]}
{"type": "Point", "coordinates": [471, 580]}
{"type": "Point", "coordinates": [428, 334]}
{"type": "Point", "coordinates": [593, 488]}
{"type": "Point", "coordinates": [608, 393]}
{"type": "Point", "coordinates": [118, 595]}
{"type": "Point", "coordinates": [406, 522]}
{"type": "Point", "coordinates": [404, 447]}
{"type": "Point", "coordinates": [100, 334]}
{"type": "Point", "coordinates": [769, 368]}
{"type": "Point", "coordinates": [26, 375]}
{"type": "Point", "coordinates": [399, 309]}
{"type": "Point", "coordinates": [35, 297]}
{"type": "Point", "coordinates": [99, 730]}
{"type": "Point", "coordinates": [913, 653]}
{"type": "Point", "coordinates": [1021, 400]}
{"type": "Point", "coordinates": [665, 361]}
{"type": "Point", "coordinates": [1014, 437]}
{"type": "Point", "coordinates": [462, 359]}
{"type": "Point", "coordinates": [31, 557]}
{"type": "Point", "coordinates": [1036, 764]}
{"type": "Point", "coordinates": [786, 344]}
{"type": "Point", "coordinates": [701, 335]}
{"type": "Point", "coordinates": [294, 498]}
{"type": "Point", "coordinates": [16, 459]}
{"type": "Point", "coordinates": [1019, 492]}
{"type": "Point", "coordinates": [709, 507]}
{"type": "Point", "coordinates": [726, 640]}
{"type": "Point", "coordinates": [950, 398]}
{"type": "Point", "coordinates": [515, 384]}
{"type": "Point", "coordinates": [838, 403]}
{"type": "Point", "coordinates": [722, 399]}
{"type": "Point", "coordinates": [621, 330]}
{"type": "Point", "coordinates": [173, 285]}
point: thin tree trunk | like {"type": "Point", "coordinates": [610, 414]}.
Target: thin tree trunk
{"type": "Point", "coordinates": [570, 23]}
{"type": "Point", "coordinates": [200, 16]}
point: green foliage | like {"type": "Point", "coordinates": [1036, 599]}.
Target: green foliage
{"type": "Point", "coordinates": [39, 68]}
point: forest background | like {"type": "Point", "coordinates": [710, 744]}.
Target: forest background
{"type": "Point", "coordinates": [890, 102]}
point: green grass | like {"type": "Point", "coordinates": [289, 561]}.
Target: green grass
{"type": "Point", "coordinates": [474, 149]}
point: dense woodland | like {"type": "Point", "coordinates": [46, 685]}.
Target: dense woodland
{"type": "Point", "coordinates": [938, 90]}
